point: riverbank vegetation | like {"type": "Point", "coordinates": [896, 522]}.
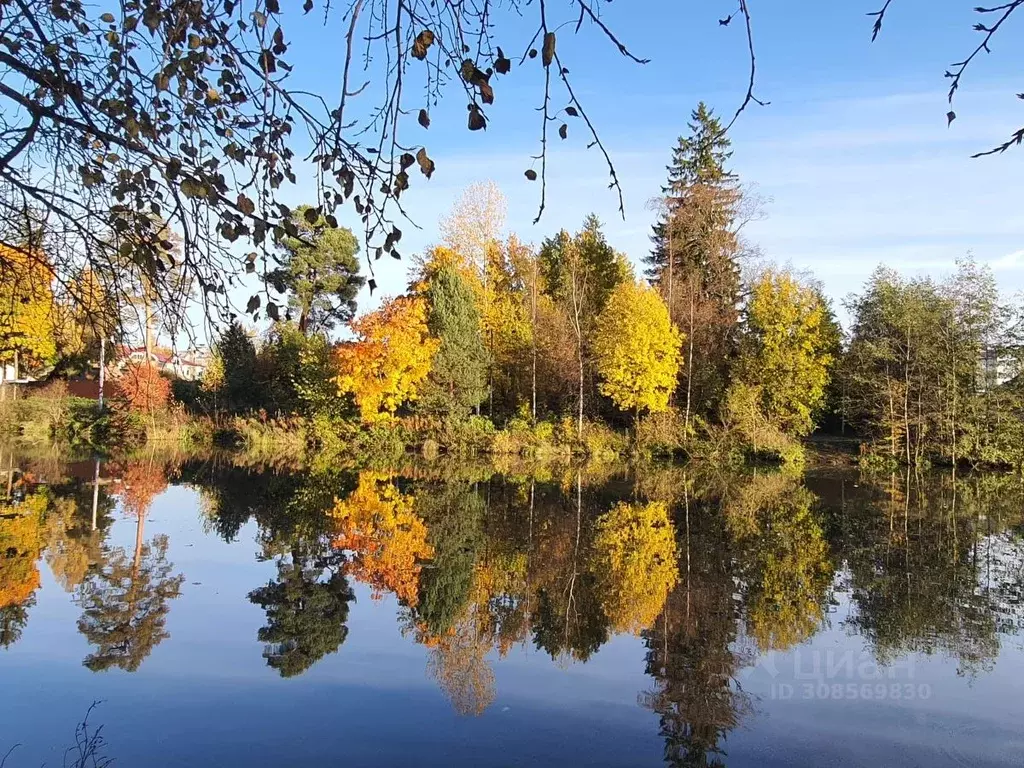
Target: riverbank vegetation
{"type": "Point", "coordinates": [498, 347]}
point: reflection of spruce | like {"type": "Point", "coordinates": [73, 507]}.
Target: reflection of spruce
{"type": "Point", "coordinates": [305, 616]}
{"type": "Point", "coordinates": [691, 648]}
{"type": "Point", "coordinates": [124, 603]}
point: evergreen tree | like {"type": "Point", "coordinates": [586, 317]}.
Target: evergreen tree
{"type": "Point", "coordinates": [237, 355]}
{"type": "Point", "coordinates": [603, 267]}
{"type": "Point", "coordinates": [693, 260]}
{"type": "Point", "coordinates": [306, 614]}
{"type": "Point", "coordinates": [320, 272]}
{"type": "Point", "coordinates": [458, 379]}
{"type": "Point", "coordinates": [454, 516]}
{"type": "Point", "coordinates": [698, 160]}
{"type": "Point", "coordinates": [125, 605]}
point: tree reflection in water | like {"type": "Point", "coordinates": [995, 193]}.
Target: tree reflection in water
{"type": "Point", "coordinates": [709, 567]}
{"type": "Point", "coordinates": [124, 599]}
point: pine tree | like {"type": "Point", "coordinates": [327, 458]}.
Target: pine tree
{"type": "Point", "coordinates": [320, 271]}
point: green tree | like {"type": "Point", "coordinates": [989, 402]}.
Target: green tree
{"type": "Point", "coordinates": [124, 605]}
{"type": "Point", "coordinates": [298, 374]}
{"type": "Point", "coordinates": [458, 377]}
{"type": "Point", "coordinates": [306, 615]}
{"type": "Point", "coordinates": [13, 620]}
{"type": "Point", "coordinates": [636, 349]}
{"type": "Point", "coordinates": [319, 271]}
{"type": "Point", "coordinates": [785, 350]}
{"type": "Point", "coordinates": [579, 274]}
{"type": "Point", "coordinates": [238, 368]}
{"type": "Point", "coordinates": [895, 368]}
{"type": "Point", "coordinates": [453, 516]}
{"type": "Point", "coordinates": [831, 413]}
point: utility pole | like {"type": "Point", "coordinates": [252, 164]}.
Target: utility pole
{"type": "Point", "coordinates": [95, 492]}
{"type": "Point", "coordinates": [103, 355]}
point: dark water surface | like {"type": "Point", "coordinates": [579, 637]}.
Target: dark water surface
{"type": "Point", "coordinates": [454, 615]}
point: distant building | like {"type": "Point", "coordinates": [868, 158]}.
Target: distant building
{"type": "Point", "coordinates": [181, 365]}
{"type": "Point", "coordinates": [997, 370]}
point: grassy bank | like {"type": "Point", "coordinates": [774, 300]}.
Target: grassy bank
{"type": "Point", "coordinates": [50, 416]}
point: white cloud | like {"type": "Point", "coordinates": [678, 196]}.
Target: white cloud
{"type": "Point", "coordinates": [1011, 261]}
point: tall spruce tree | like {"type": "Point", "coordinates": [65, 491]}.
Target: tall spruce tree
{"type": "Point", "coordinates": [458, 378]}
{"type": "Point", "coordinates": [693, 261]}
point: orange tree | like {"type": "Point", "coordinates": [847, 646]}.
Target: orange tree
{"type": "Point", "coordinates": [388, 540]}
{"type": "Point", "coordinates": [142, 388]}
{"type": "Point", "coordinates": [391, 356]}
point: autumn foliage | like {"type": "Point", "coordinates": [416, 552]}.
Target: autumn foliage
{"type": "Point", "coordinates": [142, 388]}
{"type": "Point", "coordinates": [637, 349]}
{"type": "Point", "coordinates": [143, 482]}
{"type": "Point", "coordinates": [21, 542]}
{"type": "Point", "coordinates": [634, 561]}
{"type": "Point", "coordinates": [26, 307]}
{"type": "Point", "coordinates": [391, 356]}
{"type": "Point", "coordinates": [388, 541]}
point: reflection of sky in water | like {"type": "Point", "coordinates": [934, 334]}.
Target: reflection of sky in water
{"type": "Point", "coordinates": [206, 697]}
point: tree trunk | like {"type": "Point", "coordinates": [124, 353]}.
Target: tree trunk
{"type": "Point", "coordinates": [689, 367]}
{"type": "Point", "coordinates": [139, 528]}
{"type": "Point", "coordinates": [533, 341]}
{"type": "Point", "coordinates": [579, 425]}
{"type": "Point", "coordinates": [906, 398]}
{"type": "Point", "coordinates": [147, 308]}
{"type": "Point", "coordinates": [671, 263]}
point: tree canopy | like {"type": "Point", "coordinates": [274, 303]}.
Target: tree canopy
{"type": "Point", "coordinates": [192, 112]}
{"type": "Point", "coordinates": [390, 358]}
{"type": "Point", "coordinates": [639, 374]}
{"type": "Point", "coordinates": [319, 271]}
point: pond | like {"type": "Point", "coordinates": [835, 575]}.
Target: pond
{"type": "Point", "coordinates": [456, 614]}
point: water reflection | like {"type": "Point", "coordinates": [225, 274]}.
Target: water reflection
{"type": "Point", "coordinates": [711, 569]}
{"type": "Point", "coordinates": [307, 607]}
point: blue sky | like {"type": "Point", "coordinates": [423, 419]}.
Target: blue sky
{"type": "Point", "coordinates": [853, 156]}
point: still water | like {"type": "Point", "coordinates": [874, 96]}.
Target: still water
{"type": "Point", "coordinates": [454, 615]}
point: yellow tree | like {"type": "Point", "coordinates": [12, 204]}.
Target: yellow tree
{"type": "Point", "coordinates": [458, 661]}
{"type": "Point", "coordinates": [388, 541]}
{"type": "Point", "coordinates": [390, 358]}
{"type": "Point", "coordinates": [86, 313]}
{"type": "Point", "coordinates": [70, 545]}
{"type": "Point", "coordinates": [634, 560]}
{"type": "Point", "coordinates": [783, 558]}
{"type": "Point", "coordinates": [26, 309]}
{"type": "Point", "coordinates": [785, 352]}
{"type": "Point", "coordinates": [636, 348]}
